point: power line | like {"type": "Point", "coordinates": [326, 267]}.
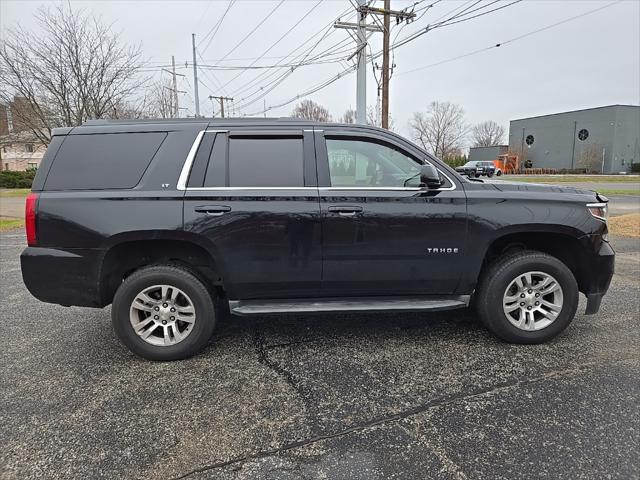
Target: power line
{"type": "Point", "coordinates": [511, 40]}
{"type": "Point", "coordinates": [460, 15]}
{"type": "Point", "coordinates": [446, 23]}
{"type": "Point", "coordinates": [350, 69]}
{"type": "Point", "coordinates": [216, 26]}
{"type": "Point", "coordinates": [266, 75]}
{"type": "Point", "coordinates": [276, 42]}
{"type": "Point", "coordinates": [252, 31]}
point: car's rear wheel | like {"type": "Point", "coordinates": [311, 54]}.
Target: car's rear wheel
{"type": "Point", "coordinates": [527, 297]}
{"type": "Point", "coordinates": [489, 174]}
{"type": "Point", "coordinates": [163, 312]}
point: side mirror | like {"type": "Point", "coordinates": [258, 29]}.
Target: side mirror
{"type": "Point", "coordinates": [429, 176]}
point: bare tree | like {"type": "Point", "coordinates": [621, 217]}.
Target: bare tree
{"type": "Point", "coordinates": [160, 102]}
{"type": "Point", "coordinates": [441, 129]}
{"type": "Point", "coordinates": [590, 158]}
{"type": "Point", "coordinates": [488, 134]}
{"type": "Point", "coordinates": [310, 110]}
{"type": "Point", "coordinates": [73, 69]}
{"type": "Point", "coordinates": [349, 116]}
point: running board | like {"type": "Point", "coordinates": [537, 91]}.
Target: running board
{"type": "Point", "coordinates": [360, 304]}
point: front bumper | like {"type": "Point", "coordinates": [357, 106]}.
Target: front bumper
{"type": "Point", "coordinates": [66, 277]}
{"type": "Point", "coordinates": [601, 267]}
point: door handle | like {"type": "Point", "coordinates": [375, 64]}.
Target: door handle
{"type": "Point", "coordinates": [214, 210]}
{"type": "Point", "coordinates": [346, 210]}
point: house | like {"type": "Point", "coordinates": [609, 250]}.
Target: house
{"type": "Point", "coordinates": [20, 151]}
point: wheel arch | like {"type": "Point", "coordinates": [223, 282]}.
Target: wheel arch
{"type": "Point", "coordinates": [563, 243]}
{"type": "Point", "coordinates": [132, 251]}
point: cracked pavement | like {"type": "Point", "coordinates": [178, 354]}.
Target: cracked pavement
{"type": "Point", "coordinates": [371, 396]}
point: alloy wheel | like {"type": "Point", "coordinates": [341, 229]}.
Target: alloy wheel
{"type": "Point", "coordinates": [532, 301]}
{"type": "Point", "coordinates": [162, 315]}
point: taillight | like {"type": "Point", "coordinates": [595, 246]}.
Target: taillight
{"type": "Point", "coordinates": [599, 210]}
{"type": "Point", "coordinates": [30, 219]}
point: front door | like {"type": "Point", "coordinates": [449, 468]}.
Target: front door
{"type": "Point", "coordinates": [382, 233]}
{"type": "Point", "coordinates": [253, 195]}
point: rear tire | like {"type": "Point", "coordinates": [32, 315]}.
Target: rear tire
{"type": "Point", "coordinates": [163, 313]}
{"type": "Point", "coordinates": [527, 322]}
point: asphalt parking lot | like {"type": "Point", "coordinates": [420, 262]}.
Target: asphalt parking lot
{"type": "Point", "coordinates": [358, 396]}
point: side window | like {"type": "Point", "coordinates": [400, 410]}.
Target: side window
{"type": "Point", "coordinates": [215, 175]}
{"type": "Point", "coordinates": [354, 163]}
{"type": "Point", "coordinates": [266, 162]}
{"type": "Point", "coordinates": [103, 161]}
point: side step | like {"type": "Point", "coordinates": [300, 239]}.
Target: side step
{"type": "Point", "coordinates": [349, 304]}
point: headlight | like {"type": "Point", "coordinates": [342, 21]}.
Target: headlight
{"type": "Point", "coordinates": [599, 210]}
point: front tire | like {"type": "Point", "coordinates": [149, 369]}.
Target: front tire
{"type": "Point", "coordinates": [163, 313]}
{"type": "Point", "coordinates": [527, 297]}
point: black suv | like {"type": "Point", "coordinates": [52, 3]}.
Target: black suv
{"type": "Point", "coordinates": [176, 223]}
{"type": "Point", "coordinates": [476, 169]}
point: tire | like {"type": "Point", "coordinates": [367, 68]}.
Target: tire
{"type": "Point", "coordinates": [498, 173]}
{"type": "Point", "coordinates": [499, 276]}
{"type": "Point", "coordinates": [471, 174]}
{"type": "Point", "coordinates": [490, 174]}
{"type": "Point", "coordinates": [191, 296]}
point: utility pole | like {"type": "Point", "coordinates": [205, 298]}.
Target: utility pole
{"type": "Point", "coordinates": [175, 107]}
{"type": "Point", "coordinates": [361, 29]}
{"type": "Point", "coordinates": [195, 75]}
{"type": "Point", "coordinates": [385, 64]}
{"type": "Point", "coordinates": [221, 100]}
{"type": "Point", "coordinates": [361, 86]}
{"type": "Point", "coordinates": [176, 112]}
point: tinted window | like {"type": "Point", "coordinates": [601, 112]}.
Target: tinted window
{"type": "Point", "coordinates": [265, 162]}
{"type": "Point", "coordinates": [103, 161]}
{"type": "Point", "coordinates": [216, 168]}
{"type": "Point", "coordinates": [199, 167]}
{"type": "Point", "coordinates": [359, 163]}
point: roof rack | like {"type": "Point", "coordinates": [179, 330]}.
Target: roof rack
{"type": "Point", "coordinates": [103, 121]}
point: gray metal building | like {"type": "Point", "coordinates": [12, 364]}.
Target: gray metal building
{"type": "Point", "coordinates": [603, 139]}
{"type": "Point", "coordinates": [487, 154]}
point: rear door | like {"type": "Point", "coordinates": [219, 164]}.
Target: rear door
{"type": "Point", "coordinates": [382, 233]}
{"type": "Point", "coordinates": [252, 194]}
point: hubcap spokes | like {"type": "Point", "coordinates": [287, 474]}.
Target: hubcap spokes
{"type": "Point", "coordinates": [162, 315]}
{"type": "Point", "coordinates": [532, 301]}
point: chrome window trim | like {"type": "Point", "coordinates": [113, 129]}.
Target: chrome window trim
{"type": "Point", "coordinates": [191, 189]}
{"type": "Point", "coordinates": [186, 167]}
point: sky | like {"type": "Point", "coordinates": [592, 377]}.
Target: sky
{"type": "Point", "coordinates": [590, 61]}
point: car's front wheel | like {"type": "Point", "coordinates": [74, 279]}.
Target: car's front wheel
{"type": "Point", "coordinates": [163, 312]}
{"type": "Point", "coordinates": [527, 297]}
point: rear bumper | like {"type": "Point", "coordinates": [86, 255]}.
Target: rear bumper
{"type": "Point", "coordinates": [601, 269]}
{"type": "Point", "coordinates": [65, 277]}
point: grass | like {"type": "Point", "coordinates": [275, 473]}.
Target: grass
{"type": "Point", "coordinates": [10, 223]}
{"type": "Point", "coordinates": [626, 225]}
{"type": "Point", "coordinates": [572, 178]}
{"type": "Point", "coordinates": [618, 191]}
{"type": "Point", "coordinates": [15, 192]}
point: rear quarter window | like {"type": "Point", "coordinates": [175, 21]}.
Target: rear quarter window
{"type": "Point", "coordinates": [103, 161]}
